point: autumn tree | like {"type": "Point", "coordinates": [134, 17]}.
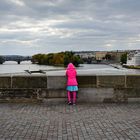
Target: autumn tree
{"type": "Point", "coordinates": [62, 58]}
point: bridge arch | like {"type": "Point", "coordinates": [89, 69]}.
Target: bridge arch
{"type": "Point", "coordinates": [18, 59]}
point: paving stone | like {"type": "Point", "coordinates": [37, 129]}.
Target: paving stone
{"type": "Point", "coordinates": [57, 121]}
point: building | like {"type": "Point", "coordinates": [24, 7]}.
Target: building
{"type": "Point", "coordinates": [100, 55]}
{"type": "Point", "coordinates": [85, 54]}
{"type": "Point", "coordinates": [133, 58]}
{"type": "Point", "coordinates": [116, 55]}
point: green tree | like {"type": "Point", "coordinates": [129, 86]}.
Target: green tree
{"type": "Point", "coordinates": [124, 58]}
{"type": "Point", "coordinates": [76, 60]}
{"type": "Point", "coordinates": [70, 57]}
{"type": "Point", "coordinates": [108, 56]}
{"type": "Point", "coordinates": [49, 59]}
{"type": "Point", "coordinates": [1, 60]}
{"type": "Point", "coordinates": [38, 58]}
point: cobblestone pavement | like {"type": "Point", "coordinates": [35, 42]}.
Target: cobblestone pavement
{"type": "Point", "coordinates": [55, 120]}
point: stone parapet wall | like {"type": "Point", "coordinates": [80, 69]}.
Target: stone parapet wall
{"type": "Point", "coordinates": [94, 88]}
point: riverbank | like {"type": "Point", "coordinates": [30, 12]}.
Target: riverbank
{"type": "Point", "coordinates": [131, 67]}
{"type": "Point", "coordinates": [117, 66]}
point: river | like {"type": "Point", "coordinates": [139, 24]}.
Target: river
{"type": "Point", "coordinates": [13, 67]}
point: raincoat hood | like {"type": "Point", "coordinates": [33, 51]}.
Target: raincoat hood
{"type": "Point", "coordinates": [71, 75]}
{"type": "Point", "coordinates": [70, 66]}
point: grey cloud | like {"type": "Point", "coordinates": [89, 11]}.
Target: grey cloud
{"type": "Point", "coordinates": [58, 25]}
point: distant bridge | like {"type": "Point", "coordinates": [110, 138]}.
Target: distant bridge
{"type": "Point", "coordinates": [16, 58]}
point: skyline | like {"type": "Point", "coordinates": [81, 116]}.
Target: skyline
{"type": "Point", "coordinates": [28, 27]}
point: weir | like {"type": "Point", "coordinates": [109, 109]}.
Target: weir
{"type": "Point", "coordinates": [92, 88]}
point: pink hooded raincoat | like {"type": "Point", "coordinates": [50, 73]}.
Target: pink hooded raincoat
{"type": "Point", "coordinates": [71, 75]}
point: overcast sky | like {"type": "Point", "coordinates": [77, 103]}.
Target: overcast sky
{"type": "Point", "coordinates": [42, 26]}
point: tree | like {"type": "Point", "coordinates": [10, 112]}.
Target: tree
{"type": "Point", "coordinates": [38, 58]}
{"type": "Point", "coordinates": [108, 57]}
{"type": "Point", "coordinates": [58, 58]}
{"type": "Point", "coordinates": [76, 60]}
{"type": "Point", "coordinates": [124, 58]}
{"type": "Point", "coordinates": [49, 59]}
{"type": "Point", "coordinates": [1, 60]}
{"type": "Point", "coordinates": [62, 58]}
{"type": "Point", "coordinates": [67, 58]}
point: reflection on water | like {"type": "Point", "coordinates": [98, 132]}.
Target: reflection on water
{"type": "Point", "coordinates": [13, 67]}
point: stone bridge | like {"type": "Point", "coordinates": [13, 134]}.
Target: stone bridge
{"type": "Point", "coordinates": [16, 58]}
{"type": "Point", "coordinates": [92, 88]}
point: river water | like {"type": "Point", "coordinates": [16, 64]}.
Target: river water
{"type": "Point", "coordinates": [13, 67]}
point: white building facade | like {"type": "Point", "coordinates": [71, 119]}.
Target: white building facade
{"type": "Point", "coordinates": [133, 59]}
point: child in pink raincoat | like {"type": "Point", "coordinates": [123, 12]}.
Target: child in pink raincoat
{"type": "Point", "coordinates": [72, 85]}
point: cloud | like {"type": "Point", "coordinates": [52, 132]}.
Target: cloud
{"type": "Point", "coordinates": [18, 2]}
{"type": "Point", "coordinates": [57, 25]}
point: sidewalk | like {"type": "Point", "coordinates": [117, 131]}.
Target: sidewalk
{"type": "Point", "coordinates": [55, 120]}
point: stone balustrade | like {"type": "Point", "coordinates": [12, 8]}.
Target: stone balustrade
{"type": "Point", "coordinates": [94, 88]}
